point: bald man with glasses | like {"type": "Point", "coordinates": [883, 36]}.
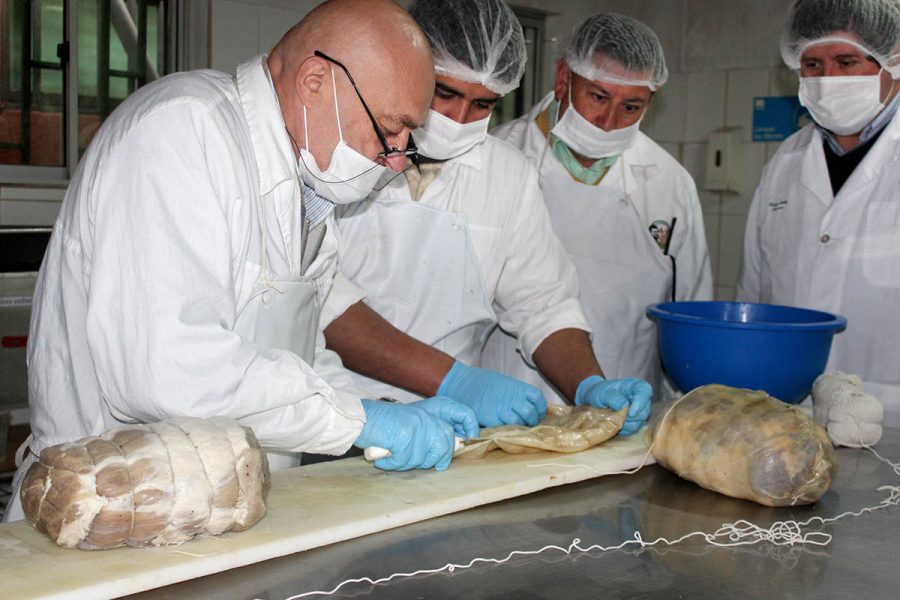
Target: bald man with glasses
{"type": "Point", "coordinates": [195, 247]}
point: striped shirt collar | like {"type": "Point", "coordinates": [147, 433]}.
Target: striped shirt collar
{"type": "Point", "coordinates": [316, 207]}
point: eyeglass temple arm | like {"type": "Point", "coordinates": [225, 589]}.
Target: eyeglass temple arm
{"type": "Point", "coordinates": [381, 138]}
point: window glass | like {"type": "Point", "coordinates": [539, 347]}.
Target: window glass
{"type": "Point", "coordinates": [121, 45]}
{"type": "Point", "coordinates": [31, 82]}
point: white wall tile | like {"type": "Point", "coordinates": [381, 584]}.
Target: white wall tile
{"type": "Point", "coordinates": [710, 203]}
{"type": "Point", "coordinates": [704, 103]}
{"type": "Point", "coordinates": [727, 34]}
{"type": "Point", "coordinates": [23, 212]}
{"type": "Point", "coordinates": [783, 81]}
{"type": "Point", "coordinates": [734, 204]}
{"type": "Point", "coordinates": [274, 23]}
{"type": "Point", "coordinates": [673, 149]}
{"type": "Point", "coordinates": [235, 34]}
{"type": "Point", "coordinates": [693, 158]}
{"type": "Point", "coordinates": [754, 160]}
{"type": "Point", "coordinates": [664, 119]}
{"type": "Point", "coordinates": [730, 244]}
{"type": "Point", "coordinates": [241, 29]}
{"type": "Point", "coordinates": [664, 17]}
{"type": "Point", "coordinates": [743, 86]}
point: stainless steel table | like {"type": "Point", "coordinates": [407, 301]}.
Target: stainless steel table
{"type": "Point", "coordinates": [862, 561]}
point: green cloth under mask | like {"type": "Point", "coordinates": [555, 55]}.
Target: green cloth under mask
{"type": "Point", "coordinates": [589, 175]}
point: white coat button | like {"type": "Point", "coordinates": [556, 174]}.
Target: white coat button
{"type": "Point", "coordinates": [825, 238]}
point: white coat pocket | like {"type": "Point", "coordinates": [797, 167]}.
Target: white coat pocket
{"type": "Point", "coordinates": [881, 244]}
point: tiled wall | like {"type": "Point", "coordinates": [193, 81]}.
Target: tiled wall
{"type": "Point", "coordinates": [721, 53]}
{"type": "Point", "coordinates": [241, 29]}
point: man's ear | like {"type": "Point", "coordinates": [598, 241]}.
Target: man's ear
{"type": "Point", "coordinates": [309, 81]}
{"type": "Point", "coordinates": [562, 79]}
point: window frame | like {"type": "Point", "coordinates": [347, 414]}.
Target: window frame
{"type": "Point", "coordinates": [186, 29]}
{"type": "Point", "coordinates": [537, 20]}
{"type": "Point", "coordinates": [520, 100]}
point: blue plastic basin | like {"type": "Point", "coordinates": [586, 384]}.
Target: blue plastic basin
{"type": "Point", "coordinates": [779, 349]}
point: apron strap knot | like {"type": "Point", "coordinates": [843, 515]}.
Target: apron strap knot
{"type": "Point", "coordinates": [266, 295]}
{"type": "Point", "coordinates": [23, 448]}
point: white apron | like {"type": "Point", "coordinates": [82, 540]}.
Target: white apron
{"type": "Point", "coordinates": [621, 270]}
{"type": "Point", "coordinates": [284, 316]}
{"type": "Point", "coordinates": [281, 315]}
{"type": "Point", "coordinates": [419, 268]}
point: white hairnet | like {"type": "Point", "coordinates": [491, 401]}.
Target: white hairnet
{"type": "Point", "coordinates": [873, 26]}
{"type": "Point", "coordinates": [478, 41]}
{"type": "Point", "coordinates": [618, 49]}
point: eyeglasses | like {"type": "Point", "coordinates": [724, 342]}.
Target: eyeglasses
{"type": "Point", "coordinates": [389, 151]}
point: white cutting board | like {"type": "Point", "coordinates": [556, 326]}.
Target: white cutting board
{"type": "Point", "coordinates": [308, 507]}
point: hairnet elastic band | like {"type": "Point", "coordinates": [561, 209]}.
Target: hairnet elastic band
{"type": "Point", "coordinates": [592, 75]}
{"type": "Point", "coordinates": [893, 69]}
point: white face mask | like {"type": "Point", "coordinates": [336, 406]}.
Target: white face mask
{"type": "Point", "coordinates": [842, 105]}
{"type": "Point", "coordinates": [590, 141]}
{"type": "Point", "coordinates": [350, 176]}
{"type": "Point", "coordinates": [441, 137]}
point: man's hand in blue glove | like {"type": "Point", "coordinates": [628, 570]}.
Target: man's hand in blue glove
{"type": "Point", "coordinates": [617, 394]}
{"type": "Point", "coordinates": [460, 417]}
{"type": "Point", "coordinates": [496, 398]}
{"type": "Point", "coordinates": [415, 437]}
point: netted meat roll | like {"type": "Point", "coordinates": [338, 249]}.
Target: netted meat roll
{"type": "Point", "coordinates": [249, 463]}
{"type": "Point", "coordinates": [217, 456]}
{"type": "Point", "coordinates": [152, 485]}
{"type": "Point", "coordinates": [190, 503]}
{"type": "Point", "coordinates": [112, 525]}
{"type": "Point", "coordinates": [146, 485]}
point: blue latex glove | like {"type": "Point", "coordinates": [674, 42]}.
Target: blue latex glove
{"type": "Point", "coordinates": [458, 415]}
{"type": "Point", "coordinates": [617, 394]}
{"type": "Point", "coordinates": [496, 398]}
{"type": "Point", "coordinates": [415, 438]}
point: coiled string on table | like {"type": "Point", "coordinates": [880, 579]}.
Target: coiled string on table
{"type": "Point", "coordinates": [727, 535]}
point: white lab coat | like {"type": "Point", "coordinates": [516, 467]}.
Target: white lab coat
{"type": "Point", "coordinates": [528, 283]}
{"type": "Point", "coordinates": [805, 247]}
{"type": "Point", "coordinates": [621, 268]}
{"type": "Point", "coordinates": [156, 254]}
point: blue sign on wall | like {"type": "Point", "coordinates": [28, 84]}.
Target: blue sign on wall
{"type": "Point", "coordinates": [777, 117]}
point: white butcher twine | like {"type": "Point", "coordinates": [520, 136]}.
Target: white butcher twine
{"type": "Point", "coordinates": [739, 533]}
{"type": "Point", "coordinates": [849, 415]}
